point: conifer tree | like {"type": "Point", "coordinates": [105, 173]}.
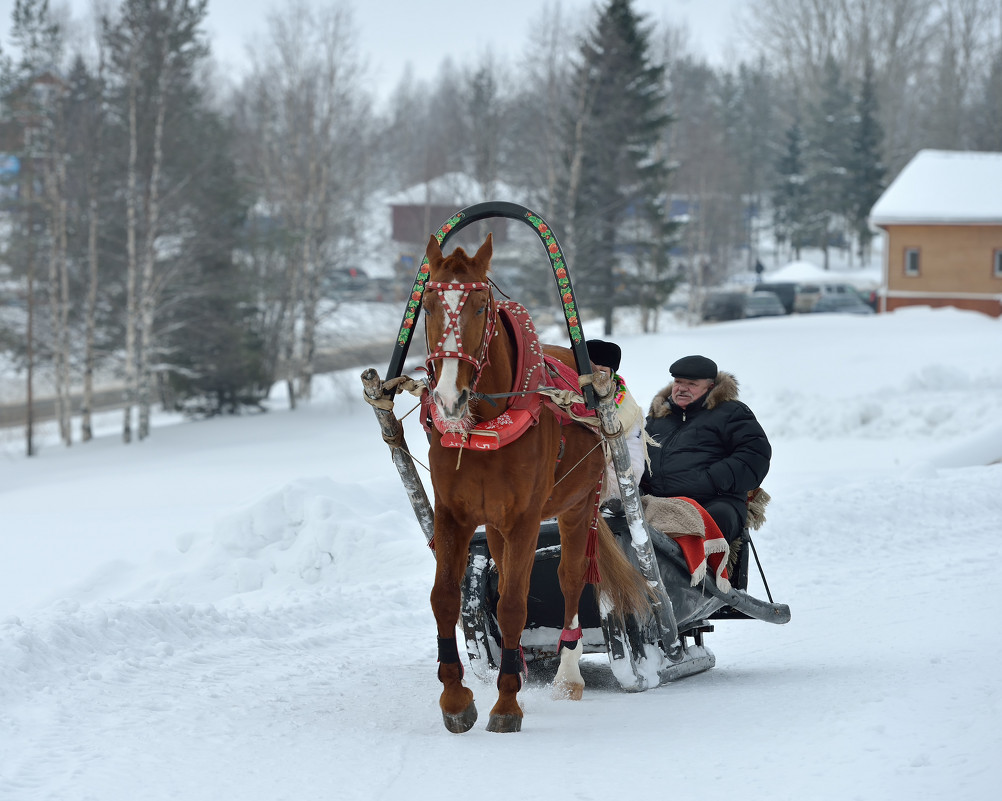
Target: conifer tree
{"type": "Point", "coordinates": [866, 169]}
{"type": "Point", "coordinates": [827, 160]}
{"type": "Point", "coordinates": [790, 213]}
{"type": "Point", "coordinates": [38, 42]}
{"type": "Point", "coordinates": [617, 171]}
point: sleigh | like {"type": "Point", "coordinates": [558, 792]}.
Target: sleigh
{"type": "Point", "coordinates": [634, 647]}
{"type": "Point", "coordinates": [645, 650]}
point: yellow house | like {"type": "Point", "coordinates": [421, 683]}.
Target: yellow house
{"type": "Point", "coordinates": [942, 224]}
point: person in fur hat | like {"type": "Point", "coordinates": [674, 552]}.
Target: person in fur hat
{"type": "Point", "coordinates": [606, 356]}
{"type": "Point", "coordinates": [712, 449]}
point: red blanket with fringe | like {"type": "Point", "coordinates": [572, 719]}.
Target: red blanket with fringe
{"type": "Point", "coordinates": [703, 544]}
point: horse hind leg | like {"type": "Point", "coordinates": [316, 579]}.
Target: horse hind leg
{"type": "Point", "coordinates": [569, 683]}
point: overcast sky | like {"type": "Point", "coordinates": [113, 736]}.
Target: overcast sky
{"type": "Point", "coordinates": [398, 35]}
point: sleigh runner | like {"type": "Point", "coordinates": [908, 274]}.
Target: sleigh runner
{"type": "Point", "coordinates": [648, 643]}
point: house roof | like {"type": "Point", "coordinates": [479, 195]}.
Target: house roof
{"type": "Point", "coordinates": [452, 189]}
{"type": "Point", "coordinates": [945, 187]}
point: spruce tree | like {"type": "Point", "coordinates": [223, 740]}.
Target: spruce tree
{"type": "Point", "coordinates": [827, 160]}
{"type": "Point", "coordinates": [789, 202]}
{"type": "Point", "coordinates": [617, 170]}
{"type": "Point", "coordinates": [31, 104]}
{"type": "Point", "coordinates": [866, 169]}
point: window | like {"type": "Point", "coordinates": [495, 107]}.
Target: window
{"type": "Point", "coordinates": [911, 261]}
{"type": "Point", "coordinates": [997, 264]}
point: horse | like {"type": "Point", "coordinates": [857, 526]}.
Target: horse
{"type": "Point", "coordinates": [553, 469]}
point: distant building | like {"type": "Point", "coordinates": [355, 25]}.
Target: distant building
{"type": "Point", "coordinates": [417, 212]}
{"type": "Point", "coordinates": [942, 219]}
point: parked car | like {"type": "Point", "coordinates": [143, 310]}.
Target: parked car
{"type": "Point", "coordinates": [722, 305]}
{"type": "Point", "coordinates": [763, 304]}
{"type": "Point", "coordinates": [786, 291]}
{"type": "Point", "coordinates": [808, 295]}
{"type": "Point", "coordinates": [843, 304]}
{"type": "Point", "coordinates": [349, 283]}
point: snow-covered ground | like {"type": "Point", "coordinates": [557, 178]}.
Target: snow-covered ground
{"type": "Point", "coordinates": [238, 608]}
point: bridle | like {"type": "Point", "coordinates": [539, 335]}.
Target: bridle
{"type": "Point", "coordinates": [480, 361]}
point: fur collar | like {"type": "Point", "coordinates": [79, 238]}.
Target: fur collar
{"type": "Point", "coordinates": [725, 388]}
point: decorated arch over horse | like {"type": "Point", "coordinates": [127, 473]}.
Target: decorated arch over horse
{"type": "Point", "coordinates": [558, 265]}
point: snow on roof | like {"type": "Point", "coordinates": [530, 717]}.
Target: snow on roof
{"type": "Point", "coordinates": [452, 189]}
{"type": "Point", "coordinates": [806, 271]}
{"type": "Point", "coordinates": [796, 271]}
{"type": "Point", "coordinates": [943, 186]}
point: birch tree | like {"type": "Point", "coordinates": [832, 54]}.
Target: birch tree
{"type": "Point", "coordinates": [54, 183]}
{"type": "Point", "coordinates": [156, 46]}
{"type": "Point", "coordinates": [87, 133]}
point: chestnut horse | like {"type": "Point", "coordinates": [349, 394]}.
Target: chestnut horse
{"type": "Point", "coordinates": [551, 470]}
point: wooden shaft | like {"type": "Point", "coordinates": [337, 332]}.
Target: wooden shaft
{"type": "Point", "coordinates": [612, 431]}
{"type": "Point", "coordinates": [393, 435]}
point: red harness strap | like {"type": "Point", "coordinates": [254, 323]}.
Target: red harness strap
{"type": "Point", "coordinates": [533, 371]}
{"type": "Point", "coordinates": [569, 638]}
{"type": "Point", "coordinates": [452, 325]}
{"type": "Point", "coordinates": [524, 409]}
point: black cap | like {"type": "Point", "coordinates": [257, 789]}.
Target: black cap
{"type": "Point", "coordinates": [694, 367]}
{"type": "Point", "coordinates": [606, 354]}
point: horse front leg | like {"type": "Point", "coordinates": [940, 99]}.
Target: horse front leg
{"type": "Point", "coordinates": [452, 544]}
{"type": "Point", "coordinates": [514, 571]}
{"type": "Point", "coordinates": [574, 528]}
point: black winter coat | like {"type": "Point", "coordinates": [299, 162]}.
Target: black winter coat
{"type": "Point", "coordinates": [714, 450]}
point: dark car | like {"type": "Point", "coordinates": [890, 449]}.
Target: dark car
{"type": "Point", "coordinates": [722, 305]}
{"type": "Point", "coordinates": [349, 283]}
{"type": "Point", "coordinates": [842, 304]}
{"type": "Point", "coordinates": [763, 304]}
{"type": "Point", "coordinates": [786, 291]}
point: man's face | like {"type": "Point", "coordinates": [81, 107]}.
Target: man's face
{"type": "Point", "coordinates": [686, 390]}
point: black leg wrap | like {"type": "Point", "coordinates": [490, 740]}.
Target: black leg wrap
{"type": "Point", "coordinates": [447, 650]}
{"type": "Point", "coordinates": [511, 660]}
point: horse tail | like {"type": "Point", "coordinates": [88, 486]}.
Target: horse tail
{"type": "Point", "coordinates": [623, 584]}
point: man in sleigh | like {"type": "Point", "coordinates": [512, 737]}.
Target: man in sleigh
{"type": "Point", "coordinates": [704, 472]}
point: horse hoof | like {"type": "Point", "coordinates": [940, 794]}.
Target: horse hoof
{"type": "Point", "coordinates": [567, 691]}
{"type": "Point", "coordinates": [463, 722]}
{"type": "Point", "coordinates": [505, 723]}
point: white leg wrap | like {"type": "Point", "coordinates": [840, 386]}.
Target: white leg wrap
{"type": "Point", "coordinates": [569, 671]}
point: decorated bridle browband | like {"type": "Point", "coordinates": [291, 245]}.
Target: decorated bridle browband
{"type": "Point", "coordinates": [452, 325]}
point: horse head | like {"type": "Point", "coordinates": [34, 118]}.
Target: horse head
{"type": "Point", "coordinates": [459, 323]}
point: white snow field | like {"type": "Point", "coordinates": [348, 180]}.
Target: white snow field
{"type": "Point", "coordinates": [238, 608]}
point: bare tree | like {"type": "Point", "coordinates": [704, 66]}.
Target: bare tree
{"type": "Point", "coordinates": [92, 137]}
{"type": "Point", "coordinates": [307, 122]}
{"type": "Point", "coordinates": [965, 39]}
{"type": "Point", "coordinates": [54, 187]}
{"type": "Point", "coordinates": [540, 106]}
{"type": "Point", "coordinates": [928, 58]}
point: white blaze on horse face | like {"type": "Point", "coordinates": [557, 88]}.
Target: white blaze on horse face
{"type": "Point", "coordinates": [446, 392]}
